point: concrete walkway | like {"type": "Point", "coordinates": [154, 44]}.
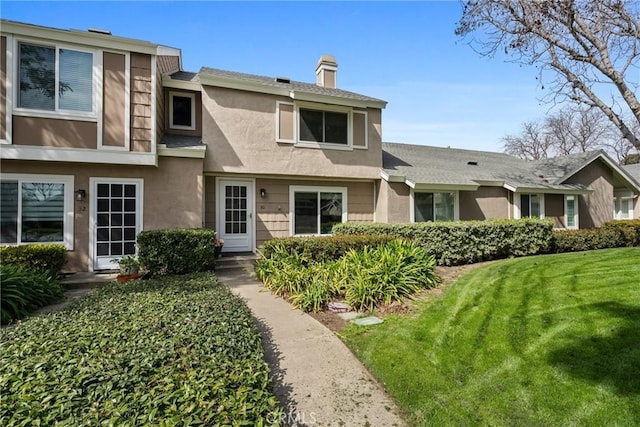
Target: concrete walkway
{"type": "Point", "coordinates": [317, 378]}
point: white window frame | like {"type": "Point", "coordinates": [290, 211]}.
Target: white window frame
{"type": "Point", "coordinates": [517, 214]}
{"type": "Point", "coordinates": [618, 197]}
{"type": "Point", "coordinates": [576, 216]}
{"type": "Point", "coordinates": [325, 108]}
{"type": "Point", "coordinates": [58, 113]}
{"type": "Point", "coordinates": [68, 217]}
{"type": "Point", "coordinates": [190, 95]}
{"type": "Point", "coordinates": [412, 203]}
{"type": "Point", "coordinates": [293, 189]}
{"type": "Point", "coordinates": [295, 124]}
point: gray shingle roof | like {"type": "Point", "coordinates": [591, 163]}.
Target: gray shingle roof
{"type": "Point", "coordinates": [633, 170]}
{"type": "Point", "coordinates": [186, 76]}
{"type": "Point", "coordinates": [421, 164]}
{"type": "Point", "coordinates": [292, 85]}
{"type": "Point", "coordinates": [181, 141]}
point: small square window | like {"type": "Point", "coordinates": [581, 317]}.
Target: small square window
{"type": "Point", "coordinates": [182, 111]}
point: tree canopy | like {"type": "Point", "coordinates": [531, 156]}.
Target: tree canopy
{"type": "Point", "coordinates": [591, 46]}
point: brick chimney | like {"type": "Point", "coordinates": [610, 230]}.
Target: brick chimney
{"type": "Point", "coordinates": [326, 72]}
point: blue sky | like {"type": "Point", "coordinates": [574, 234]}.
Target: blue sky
{"type": "Point", "coordinates": [440, 92]}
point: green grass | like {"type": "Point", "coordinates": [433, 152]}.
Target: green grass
{"type": "Point", "coordinates": [538, 341]}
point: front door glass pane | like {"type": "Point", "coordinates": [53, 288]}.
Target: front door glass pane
{"type": "Point", "coordinates": [235, 209]}
{"type": "Point", "coordinates": [116, 219]}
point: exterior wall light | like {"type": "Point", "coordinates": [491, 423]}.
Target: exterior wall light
{"type": "Point", "coordinates": [263, 193]}
{"type": "Point", "coordinates": [81, 195]}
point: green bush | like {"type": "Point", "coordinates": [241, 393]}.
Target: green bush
{"type": "Point", "coordinates": [631, 227]}
{"type": "Point", "coordinates": [321, 249]}
{"type": "Point", "coordinates": [25, 290]}
{"type": "Point", "coordinates": [594, 238]}
{"type": "Point", "coordinates": [177, 251]}
{"type": "Point", "coordinates": [178, 350]}
{"type": "Point", "coordinates": [465, 242]}
{"type": "Point", "coordinates": [44, 257]}
{"type": "Point", "coordinates": [365, 276]}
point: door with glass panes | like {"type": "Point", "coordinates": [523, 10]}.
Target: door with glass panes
{"type": "Point", "coordinates": [235, 215]}
{"type": "Point", "coordinates": [116, 220]}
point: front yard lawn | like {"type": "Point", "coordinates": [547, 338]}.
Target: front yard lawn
{"type": "Point", "coordinates": [544, 340]}
{"type": "Point", "coordinates": [178, 350]}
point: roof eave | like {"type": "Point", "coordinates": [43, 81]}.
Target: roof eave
{"type": "Point", "coordinates": [167, 81]}
{"type": "Point", "coordinates": [547, 190]}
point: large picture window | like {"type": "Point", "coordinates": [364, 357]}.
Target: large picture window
{"type": "Point", "coordinates": [530, 206]}
{"type": "Point", "coordinates": [55, 79]}
{"type": "Point", "coordinates": [315, 210]}
{"type": "Point", "coordinates": [36, 210]}
{"type": "Point", "coordinates": [434, 206]}
{"type": "Point", "coordinates": [324, 126]}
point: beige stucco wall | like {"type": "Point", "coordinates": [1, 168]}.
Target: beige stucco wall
{"type": "Point", "coordinates": [198, 101]}
{"type": "Point", "coordinates": [54, 132]}
{"type": "Point", "coordinates": [3, 87]}
{"type": "Point", "coordinates": [272, 211]}
{"type": "Point", "coordinates": [141, 120]}
{"type": "Point", "coordinates": [596, 208]}
{"type": "Point", "coordinates": [240, 129]}
{"type": "Point", "coordinates": [393, 204]}
{"type": "Point", "coordinates": [554, 209]}
{"type": "Point", "coordinates": [172, 194]}
{"type": "Point", "coordinates": [114, 102]}
{"type": "Point", "coordinates": [484, 203]}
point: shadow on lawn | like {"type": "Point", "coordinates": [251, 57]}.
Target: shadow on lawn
{"type": "Point", "coordinates": [612, 359]}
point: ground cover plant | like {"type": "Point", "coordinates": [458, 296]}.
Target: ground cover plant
{"type": "Point", "coordinates": [177, 350]}
{"type": "Point", "coordinates": [545, 340]}
{"type": "Point", "coordinates": [364, 277]}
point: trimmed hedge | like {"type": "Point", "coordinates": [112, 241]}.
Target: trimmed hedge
{"type": "Point", "coordinates": [179, 350]}
{"type": "Point", "coordinates": [43, 257]}
{"type": "Point", "coordinates": [25, 290]}
{"type": "Point", "coordinates": [632, 226]}
{"type": "Point", "coordinates": [177, 250]}
{"type": "Point", "coordinates": [465, 242]}
{"type": "Point", "coordinates": [594, 238]}
{"type": "Point", "coordinates": [320, 249]}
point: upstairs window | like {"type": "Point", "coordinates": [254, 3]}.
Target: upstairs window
{"type": "Point", "coordinates": [55, 79]}
{"type": "Point", "coordinates": [328, 127]}
{"type": "Point", "coordinates": [182, 110]}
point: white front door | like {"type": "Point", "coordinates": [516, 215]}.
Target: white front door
{"type": "Point", "coordinates": [235, 215]}
{"type": "Point", "coordinates": [116, 219]}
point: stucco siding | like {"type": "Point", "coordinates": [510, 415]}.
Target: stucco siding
{"type": "Point", "coordinates": [54, 132]}
{"type": "Point", "coordinates": [113, 129]}
{"type": "Point", "coordinates": [141, 119]}
{"type": "Point", "coordinates": [484, 203]}
{"type": "Point", "coordinates": [3, 87]}
{"type": "Point", "coordinates": [554, 209]}
{"type": "Point", "coordinates": [172, 195]}
{"type": "Point", "coordinates": [240, 129]}
{"type": "Point", "coordinates": [596, 208]}
{"type": "Point", "coordinates": [393, 202]}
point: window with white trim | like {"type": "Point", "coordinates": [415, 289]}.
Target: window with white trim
{"type": "Point", "coordinates": [36, 209]}
{"type": "Point", "coordinates": [315, 210]}
{"type": "Point", "coordinates": [623, 205]}
{"type": "Point", "coordinates": [571, 211]}
{"type": "Point", "coordinates": [530, 205]}
{"type": "Point", "coordinates": [329, 127]}
{"type": "Point", "coordinates": [55, 79]}
{"type": "Point", "coordinates": [182, 110]}
{"type": "Point", "coordinates": [434, 206]}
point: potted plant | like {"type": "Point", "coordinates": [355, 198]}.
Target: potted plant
{"type": "Point", "coordinates": [217, 247]}
{"type": "Point", "coordinates": [129, 268]}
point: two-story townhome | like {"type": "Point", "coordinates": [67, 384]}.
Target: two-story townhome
{"type": "Point", "coordinates": [103, 136]}
{"type": "Point", "coordinates": [81, 121]}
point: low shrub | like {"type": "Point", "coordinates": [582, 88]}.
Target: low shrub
{"type": "Point", "coordinates": [43, 257]}
{"type": "Point", "coordinates": [364, 277]}
{"type": "Point", "coordinates": [25, 290]}
{"type": "Point", "coordinates": [177, 251]}
{"type": "Point", "coordinates": [594, 238]}
{"type": "Point", "coordinates": [631, 227]}
{"type": "Point", "coordinates": [321, 249]}
{"type": "Point", "coordinates": [465, 242]}
{"type": "Point", "coordinates": [178, 350]}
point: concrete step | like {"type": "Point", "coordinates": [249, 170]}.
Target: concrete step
{"type": "Point", "coordinates": [88, 279]}
{"type": "Point", "coordinates": [233, 261]}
